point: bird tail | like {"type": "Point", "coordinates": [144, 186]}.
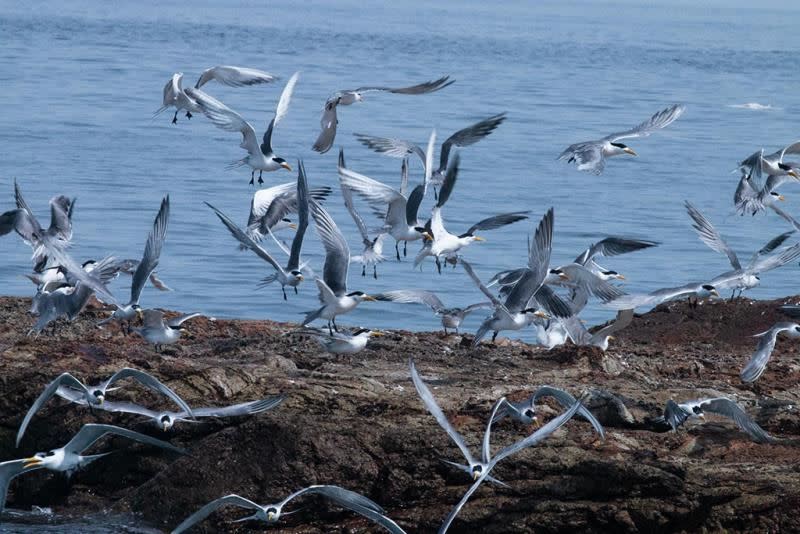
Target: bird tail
{"type": "Point", "coordinates": [480, 334]}
{"type": "Point", "coordinates": [159, 111]}
{"type": "Point", "coordinates": [267, 280]}
{"type": "Point", "coordinates": [312, 316]}
{"type": "Point", "coordinates": [236, 164]}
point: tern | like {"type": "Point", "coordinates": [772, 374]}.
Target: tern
{"type": "Point", "coordinates": [749, 199]}
{"type": "Point", "coordinates": [95, 395]}
{"type": "Point", "coordinates": [165, 420]}
{"type": "Point", "coordinates": [271, 513]}
{"type": "Point", "coordinates": [582, 337]}
{"type": "Point", "coordinates": [70, 458]}
{"type": "Point", "coordinates": [175, 96]}
{"type": "Point", "coordinates": [525, 411]}
{"type": "Point", "coordinates": [401, 220]}
{"type": "Point", "coordinates": [773, 165]}
{"type": "Point", "coordinates": [145, 268]}
{"type": "Point", "coordinates": [692, 290]}
{"type": "Point", "coordinates": [159, 332]}
{"type": "Point", "coordinates": [292, 275]}
{"type": "Point", "coordinates": [373, 247]}
{"type": "Point", "coordinates": [465, 137]}
{"type": "Point", "coordinates": [451, 317]}
{"type": "Point", "coordinates": [341, 342]}
{"type": "Point", "coordinates": [591, 156]}
{"type": "Point", "coordinates": [676, 414]}
{"type": "Point", "coordinates": [607, 247]}
{"type": "Point", "coordinates": [766, 344]}
{"type": "Point", "coordinates": [260, 157]}
{"type": "Point", "coordinates": [329, 120]}
{"type": "Point", "coordinates": [333, 294]}
{"type": "Point", "coordinates": [270, 209]}
{"type": "Point", "coordinates": [441, 243]}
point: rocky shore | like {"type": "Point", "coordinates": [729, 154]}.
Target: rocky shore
{"type": "Point", "coordinates": [357, 422]}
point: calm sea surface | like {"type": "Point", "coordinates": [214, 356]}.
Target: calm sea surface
{"type": "Point", "coordinates": [79, 82]}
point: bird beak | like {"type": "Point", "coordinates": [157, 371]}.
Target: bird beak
{"type": "Point", "coordinates": [100, 400]}
{"type": "Point", "coordinates": [629, 150]}
{"type": "Point", "coordinates": [33, 461]}
{"type": "Point", "coordinates": [375, 333]}
{"type": "Point", "coordinates": [563, 276]}
{"type": "Point", "coordinates": [479, 238]}
{"type": "Point", "coordinates": [610, 338]}
{"type": "Point", "coordinates": [166, 426]}
{"type": "Point", "coordinates": [286, 166]}
{"type": "Point", "coordinates": [369, 298]}
{"type": "Point", "coordinates": [714, 292]}
{"type": "Point", "coordinates": [541, 314]}
{"type": "Point", "coordinates": [781, 198]}
{"type": "Point", "coordinates": [702, 416]}
{"type": "Point", "coordinates": [620, 277]}
{"type": "Point", "coordinates": [139, 313]}
{"type": "Point", "coordinates": [426, 235]}
{"type": "Point", "coordinates": [293, 226]}
{"type": "Point", "coordinates": [536, 421]}
{"type": "Point", "coordinates": [270, 516]}
{"type": "Point", "coordinates": [793, 174]}
{"type": "Point", "coordinates": [475, 475]}
{"type": "Point", "coordinates": [300, 277]}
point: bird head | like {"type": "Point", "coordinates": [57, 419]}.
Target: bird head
{"type": "Point", "coordinates": [709, 290]}
{"type": "Point", "coordinates": [272, 514]}
{"type": "Point", "coordinates": [624, 148]}
{"type": "Point", "coordinates": [282, 163]}
{"type": "Point", "coordinates": [612, 275]}
{"type": "Point", "coordinates": [476, 471]}
{"type": "Point", "coordinates": [360, 296]}
{"type": "Point", "coordinates": [298, 275]}
{"type": "Point", "coordinates": [98, 397]}
{"type": "Point", "coordinates": [166, 422]}
{"type": "Point", "coordinates": [138, 310]}
{"type": "Point", "coordinates": [777, 196]}
{"type": "Point", "coordinates": [40, 459]}
{"type": "Point", "coordinates": [289, 223]}
{"type": "Point", "coordinates": [558, 272]}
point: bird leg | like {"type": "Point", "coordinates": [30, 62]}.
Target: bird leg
{"type": "Point", "coordinates": [375, 271]}
{"type": "Point", "coordinates": [405, 248]}
{"type": "Point", "coordinates": [260, 181]}
{"type": "Point", "coordinates": [397, 249]}
{"type": "Point", "coordinates": [295, 290]}
{"type": "Point", "coordinates": [363, 269]}
{"type": "Point", "coordinates": [175, 118]}
{"type": "Point", "coordinates": [284, 292]}
{"type": "Point", "coordinates": [330, 331]}
{"type": "Point", "coordinates": [494, 336]}
{"type": "Point", "coordinates": [336, 328]}
{"type": "Point", "coordinates": [252, 177]}
{"type": "Point", "coordinates": [188, 114]}
{"type": "Point", "coordinates": [438, 265]}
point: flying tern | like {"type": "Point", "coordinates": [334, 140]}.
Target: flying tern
{"type": "Point", "coordinates": [676, 414]}
{"type": "Point", "coordinates": [451, 317]}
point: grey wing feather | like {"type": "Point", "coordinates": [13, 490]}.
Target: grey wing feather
{"type": "Point", "coordinates": [457, 508]}
{"type": "Point", "coordinates": [586, 279]}
{"type": "Point", "coordinates": [663, 118]}
{"type": "Point", "coordinates": [302, 217]}
{"type": "Point", "coordinates": [152, 251]}
{"type": "Point", "coordinates": [327, 134]}
{"type": "Point", "coordinates": [413, 203]}
{"type": "Point", "coordinates": [614, 246]}
{"type": "Point", "coordinates": [244, 408]}
{"type": "Point", "coordinates": [550, 301]}
{"type": "Point", "coordinates": [710, 236]}
{"type": "Point", "coordinates": [425, 87]}
{"type": "Point", "coordinates": [64, 379]}
{"type": "Point", "coordinates": [245, 240]}
{"type": "Point", "coordinates": [396, 148]}
{"type": "Point", "coordinates": [588, 156]}
{"type": "Point", "coordinates": [566, 401]}
{"type": "Point", "coordinates": [148, 381]}
{"type": "Point", "coordinates": [468, 136]}
{"type": "Point", "coordinates": [337, 252]}
{"type": "Point", "coordinates": [498, 221]}
{"type": "Point", "coordinates": [9, 470]}
{"type": "Point", "coordinates": [486, 449]}
{"type": "Point", "coordinates": [61, 217]}
{"type": "Point", "coordinates": [213, 506]}
{"type": "Point", "coordinates": [674, 414]}
{"type": "Point", "coordinates": [90, 433]}
{"type": "Point", "coordinates": [434, 409]}
{"type": "Point", "coordinates": [468, 268]}
{"type": "Point", "coordinates": [234, 76]}
{"type": "Point", "coordinates": [412, 296]}
{"type": "Point", "coordinates": [179, 320]}
{"type": "Point", "coordinates": [776, 260]}
{"type": "Point", "coordinates": [357, 503]}
{"type": "Point", "coordinates": [623, 320]}
{"type": "Point", "coordinates": [766, 344]}
{"type": "Point", "coordinates": [730, 409]}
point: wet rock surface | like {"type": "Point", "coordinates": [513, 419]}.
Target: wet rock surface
{"type": "Point", "coordinates": [357, 422]}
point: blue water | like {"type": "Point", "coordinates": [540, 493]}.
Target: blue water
{"type": "Point", "coordinates": [79, 84]}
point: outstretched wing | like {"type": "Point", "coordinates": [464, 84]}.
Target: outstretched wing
{"type": "Point", "coordinates": [396, 148]}
{"type": "Point", "coordinates": [244, 408]}
{"type": "Point", "coordinates": [730, 409]}
{"type": "Point", "coordinates": [710, 236]}
{"type": "Point", "coordinates": [90, 433]}
{"type": "Point", "coordinates": [422, 88]}
{"type": "Point", "coordinates": [234, 76]}
{"type": "Point", "coordinates": [280, 113]}
{"type": "Point", "coordinates": [412, 296]}
{"type": "Point", "coordinates": [337, 252]}
{"type": "Point", "coordinates": [225, 118]}
{"type": "Point", "coordinates": [497, 221]}
{"type": "Point", "coordinates": [766, 344]}
{"type": "Point", "coordinates": [469, 136]}
{"type": "Point", "coordinates": [148, 381]}
{"type": "Point", "coordinates": [613, 246]}
{"type": "Point", "coordinates": [152, 251]}
{"type": "Point", "coordinates": [660, 120]}
{"type": "Point", "coordinates": [213, 506]}
{"type": "Point", "coordinates": [328, 124]}
{"type": "Point", "coordinates": [64, 379]}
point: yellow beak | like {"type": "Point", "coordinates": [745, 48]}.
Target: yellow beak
{"type": "Point", "coordinates": [139, 313]}
{"type": "Point", "coordinates": [270, 516]}
{"type": "Point", "coordinates": [479, 238]}
{"type": "Point", "coordinates": [621, 277]}
{"type": "Point", "coordinates": [781, 198]}
{"type": "Point", "coordinates": [714, 292]}
{"type": "Point", "coordinates": [375, 333]}
{"type": "Point", "coordinates": [286, 166]}
{"type": "Point", "coordinates": [611, 338]}
{"type": "Point", "coordinates": [300, 277]}
{"type": "Point", "coordinates": [33, 461]}
{"type": "Point", "coordinates": [793, 174]}
{"type": "Point", "coordinates": [426, 235]}
{"type": "Point", "coordinates": [630, 151]}
{"type": "Point", "coordinates": [293, 226]}
{"type": "Point", "coordinates": [541, 314]}
{"type": "Point", "coordinates": [475, 475]}
{"type": "Point", "coordinates": [367, 297]}
{"type": "Point", "coordinates": [563, 276]}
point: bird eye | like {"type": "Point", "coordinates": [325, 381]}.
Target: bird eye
{"type": "Point", "coordinates": [51, 453]}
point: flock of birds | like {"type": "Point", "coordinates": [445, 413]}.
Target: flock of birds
{"type": "Point", "coordinates": [537, 294]}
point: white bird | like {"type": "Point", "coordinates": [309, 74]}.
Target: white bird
{"type": "Point", "coordinates": [766, 344]}
{"type": "Point", "coordinates": [591, 155]}
{"type": "Point", "coordinates": [451, 317]}
{"type": "Point", "coordinates": [692, 290]}
{"type": "Point", "coordinates": [95, 395]}
{"type": "Point", "coordinates": [159, 332]}
{"type": "Point", "coordinates": [175, 96]}
{"type": "Point", "coordinates": [271, 513]}
{"type": "Point", "coordinates": [372, 254]}
{"type": "Point", "coordinates": [260, 157]}
{"type": "Point", "coordinates": [340, 342]}
{"type": "Point", "coordinates": [329, 120]}
{"type": "Point", "coordinates": [270, 209]}
{"type": "Point", "coordinates": [677, 414]}
{"type": "Point", "coordinates": [70, 458]}
{"type": "Point", "coordinates": [333, 294]}
{"type": "Point", "coordinates": [772, 165]}
{"type": "Point", "coordinates": [152, 253]}
{"type": "Point", "coordinates": [165, 420]}
{"type": "Point", "coordinates": [292, 275]}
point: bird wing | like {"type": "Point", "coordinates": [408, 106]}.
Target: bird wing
{"type": "Point", "coordinates": [663, 118]}
{"type": "Point", "coordinates": [64, 379]}
{"type": "Point", "coordinates": [267, 204]}
{"type": "Point", "coordinates": [497, 221]}
{"type": "Point", "coordinates": [404, 176]}
{"type": "Point", "coordinates": [785, 216]}
{"type": "Point", "coordinates": [302, 217]}
{"type": "Point", "coordinates": [225, 118]}
{"type": "Point", "coordinates": [794, 148]}
{"type": "Point", "coordinates": [337, 252]}
{"type": "Point", "coordinates": [61, 217]}
{"type": "Point", "coordinates": [771, 245]}
{"type": "Point", "coordinates": [171, 90]}
{"type": "Point", "coordinates": [244, 408]}
{"type": "Point", "coordinates": [412, 205]}
{"type": "Point", "coordinates": [766, 344]}
{"type": "Point", "coordinates": [370, 190]}
{"type": "Point", "coordinates": [9, 470]}
{"type": "Point", "coordinates": [425, 87]}
{"type": "Point", "coordinates": [588, 156]}
{"type": "Point", "coordinates": [457, 508]}
{"type": "Point", "coordinates": [213, 506]}
{"type": "Point", "coordinates": [153, 319]}
{"type": "Point", "coordinates": [246, 240]}
{"type": "Point", "coordinates": [623, 320]}
{"type": "Point", "coordinates": [234, 76]}
{"type": "Point", "coordinates": [469, 136]}
{"type": "Point", "coordinates": [477, 306]}
{"type": "Point", "coordinates": [152, 251]}
{"type": "Point", "coordinates": [710, 236]}
{"type": "Point", "coordinates": [773, 261]}
{"type": "Point", "coordinates": [485, 290]}
{"type": "Point", "coordinates": [590, 282]}
{"type": "Point", "coordinates": [347, 195]}
{"type": "Point", "coordinates": [179, 320]}
{"type": "Point", "coordinates": [674, 414]}
{"type": "Point", "coordinates": [412, 296]}
{"type": "Point", "coordinates": [486, 446]}
{"type": "Point", "coordinates": [430, 404]}
{"type": "Point", "coordinates": [90, 433]}
{"type": "Point", "coordinates": [631, 301]}
{"type": "Point", "coordinates": [746, 198]}
{"type": "Point", "coordinates": [566, 401]}
{"type": "Point", "coordinates": [148, 381]}
{"type": "Point", "coordinates": [77, 397]}
{"type": "Point", "coordinates": [613, 246]}
{"type": "Point", "coordinates": [280, 113]}
{"type": "Point", "coordinates": [449, 182]}
{"type": "Point", "coordinates": [730, 409]}
{"type": "Point", "coordinates": [396, 148]}
{"type": "Point", "coordinates": [352, 501]}
{"type": "Point", "coordinates": [328, 124]}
